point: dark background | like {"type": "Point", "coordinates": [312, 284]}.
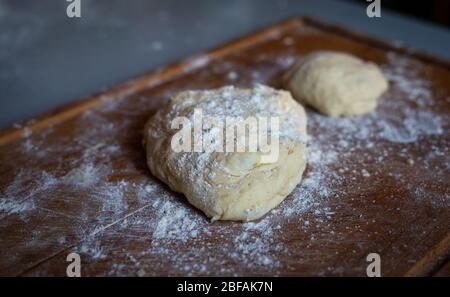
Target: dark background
{"type": "Point", "coordinates": [48, 59]}
{"type": "Point", "coordinates": [437, 11]}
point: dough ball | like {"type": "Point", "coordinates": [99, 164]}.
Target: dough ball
{"type": "Point", "coordinates": [229, 185]}
{"type": "Point", "coordinates": [336, 83]}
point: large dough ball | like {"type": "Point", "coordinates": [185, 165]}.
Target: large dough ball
{"type": "Point", "coordinates": [336, 83]}
{"type": "Point", "coordinates": [229, 185]}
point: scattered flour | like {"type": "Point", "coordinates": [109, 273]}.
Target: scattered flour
{"type": "Point", "coordinates": [175, 223]}
{"type": "Point", "coordinates": [232, 75]}
{"type": "Point", "coordinates": [9, 206]}
{"type": "Point", "coordinates": [125, 202]}
{"type": "Point", "coordinates": [85, 175]}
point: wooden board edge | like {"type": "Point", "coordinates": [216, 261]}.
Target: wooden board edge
{"type": "Point", "coordinates": [377, 42]}
{"type": "Point", "coordinates": [434, 259]}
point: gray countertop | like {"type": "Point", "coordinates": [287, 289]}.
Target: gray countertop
{"type": "Point", "coordinates": [48, 59]}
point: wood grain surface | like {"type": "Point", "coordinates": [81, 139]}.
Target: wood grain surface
{"type": "Point", "coordinates": [75, 179]}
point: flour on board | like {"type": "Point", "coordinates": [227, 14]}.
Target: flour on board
{"type": "Point", "coordinates": [125, 202]}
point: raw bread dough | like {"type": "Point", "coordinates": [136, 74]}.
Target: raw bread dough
{"type": "Point", "coordinates": [230, 185]}
{"type": "Point", "coordinates": [336, 83]}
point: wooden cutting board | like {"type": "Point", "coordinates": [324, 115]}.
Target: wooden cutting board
{"type": "Point", "coordinates": [75, 180]}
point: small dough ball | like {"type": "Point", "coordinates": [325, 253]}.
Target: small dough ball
{"type": "Point", "coordinates": [229, 185]}
{"type": "Point", "coordinates": [336, 83]}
